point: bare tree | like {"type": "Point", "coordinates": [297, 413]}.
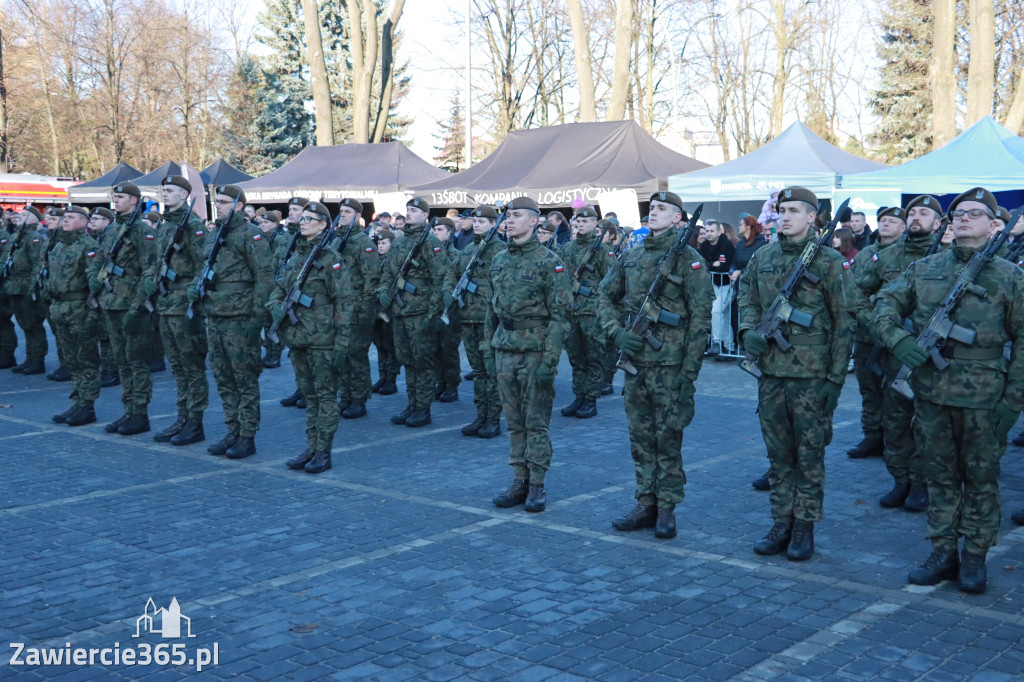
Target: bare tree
{"type": "Point", "coordinates": [943, 74]}
{"type": "Point", "coordinates": [318, 74]}
{"type": "Point", "coordinates": [620, 73]}
{"type": "Point", "coordinates": [584, 66]}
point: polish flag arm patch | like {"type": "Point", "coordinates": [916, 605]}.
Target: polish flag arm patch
{"type": "Point", "coordinates": [874, 257]}
{"type": "Point", "coordinates": [436, 249]}
{"type": "Point", "coordinates": [257, 237]}
{"type": "Point", "coordinates": [695, 265]}
{"type": "Point", "coordinates": [369, 250]}
{"type": "Point", "coordinates": [199, 233]}
{"type": "Point", "coordinates": [150, 237]}
{"type": "Point", "coordinates": [559, 268]}
{"type": "Point", "coordinates": [846, 265]}
{"type": "Point", "coordinates": [90, 254]}
{"type": "Point", "coordinates": [336, 266]}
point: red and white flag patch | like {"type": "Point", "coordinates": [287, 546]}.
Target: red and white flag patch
{"type": "Point", "coordinates": [559, 268]}
{"type": "Point", "coordinates": [695, 265]}
{"type": "Point", "coordinates": [35, 241]}
{"type": "Point", "coordinates": [150, 237]}
{"type": "Point", "coordinates": [846, 265]}
{"type": "Point", "coordinates": [90, 254]}
{"type": "Point", "coordinates": [436, 249]}
{"type": "Point", "coordinates": [199, 233]}
{"type": "Point", "coordinates": [369, 250]}
{"type": "Point", "coordinates": [611, 253]}
{"type": "Point", "coordinates": [336, 266]}
{"type": "Point", "coordinates": [874, 256]}
{"type": "Point", "coordinates": [257, 237]}
{"type": "Point", "coordinates": [721, 259]}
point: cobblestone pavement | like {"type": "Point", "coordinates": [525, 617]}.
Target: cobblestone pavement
{"type": "Point", "coordinates": [394, 565]}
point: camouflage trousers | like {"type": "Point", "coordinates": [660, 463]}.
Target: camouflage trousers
{"type": "Point", "coordinates": [186, 349]}
{"type": "Point", "coordinates": [8, 337]}
{"type": "Point", "coordinates": [354, 376]}
{"type": "Point", "coordinates": [30, 316]}
{"type": "Point", "coordinates": [78, 333]}
{"type": "Point", "coordinates": [384, 341]}
{"type": "Point", "coordinates": [485, 387]}
{"type": "Point", "coordinates": [316, 377]}
{"type": "Point", "coordinates": [236, 363]}
{"type": "Point", "coordinates": [961, 453]}
{"type": "Point", "coordinates": [414, 348]}
{"type": "Point", "coordinates": [796, 430]}
{"type": "Point", "coordinates": [871, 387]}
{"type": "Point", "coordinates": [585, 346]}
{"type": "Point", "coordinates": [527, 404]}
{"type": "Point", "coordinates": [656, 414]}
{"type": "Point", "coordinates": [61, 361]}
{"type": "Point", "coordinates": [449, 369]}
{"type": "Point", "coordinates": [128, 353]}
{"type": "Point", "coordinates": [898, 431]}
{"type": "Point", "coordinates": [156, 341]}
{"type": "Point", "coordinates": [608, 361]}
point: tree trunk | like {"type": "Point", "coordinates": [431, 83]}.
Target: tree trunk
{"type": "Point", "coordinates": [943, 76]}
{"type": "Point", "coordinates": [981, 70]}
{"type": "Point", "coordinates": [782, 45]}
{"type": "Point", "coordinates": [584, 67]}
{"type": "Point", "coordinates": [318, 74]}
{"type": "Point", "coordinates": [620, 71]}
{"type": "Point", "coordinates": [1015, 114]}
{"type": "Point", "coordinates": [387, 70]}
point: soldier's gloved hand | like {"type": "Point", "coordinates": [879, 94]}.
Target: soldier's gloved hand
{"type": "Point", "coordinates": [133, 322]}
{"type": "Point", "coordinates": [627, 341]}
{"type": "Point", "coordinates": [909, 353]}
{"type": "Point", "coordinates": [829, 395]}
{"type": "Point", "coordinates": [149, 287]}
{"type": "Point", "coordinates": [546, 372]}
{"type": "Point", "coordinates": [192, 294]}
{"type": "Point", "coordinates": [1007, 417]}
{"type": "Point", "coordinates": [338, 360]}
{"type": "Point", "coordinates": [686, 392]}
{"type": "Point", "coordinates": [277, 313]}
{"type": "Point", "coordinates": [95, 285]}
{"type": "Point", "coordinates": [754, 343]}
{"type": "Point", "coordinates": [490, 365]}
{"type": "Point", "coordinates": [448, 299]}
{"type": "Point", "coordinates": [384, 300]}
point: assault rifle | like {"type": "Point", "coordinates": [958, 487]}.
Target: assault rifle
{"type": "Point", "coordinates": [941, 328]}
{"type": "Point", "coordinates": [287, 253]}
{"type": "Point", "coordinates": [295, 295]}
{"type": "Point", "coordinates": [781, 310]}
{"type": "Point", "coordinates": [348, 233]}
{"type": "Point", "coordinates": [110, 266]}
{"type": "Point", "coordinates": [586, 266]}
{"type": "Point", "coordinates": [164, 272]}
{"type": "Point", "coordinates": [9, 263]}
{"type": "Point", "coordinates": [1016, 252]}
{"type": "Point", "coordinates": [208, 277]}
{"type": "Point", "coordinates": [649, 313]}
{"type": "Point", "coordinates": [400, 284]}
{"type": "Point", "coordinates": [466, 282]}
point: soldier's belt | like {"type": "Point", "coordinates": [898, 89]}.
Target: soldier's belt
{"type": "Point", "coordinates": [71, 296]}
{"type": "Point", "coordinates": [234, 286]}
{"type": "Point", "coordinates": [971, 353]}
{"type": "Point", "coordinates": [525, 323]}
{"type": "Point", "coordinates": [809, 339]}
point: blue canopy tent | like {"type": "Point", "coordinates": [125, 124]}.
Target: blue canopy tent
{"type": "Point", "coordinates": [220, 172]}
{"type": "Point", "coordinates": [97, 191]}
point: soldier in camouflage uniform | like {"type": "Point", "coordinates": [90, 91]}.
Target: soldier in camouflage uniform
{"type": "Point", "coordinates": [8, 337]}
{"type": "Point", "coordinates": [53, 219]}
{"type": "Point", "coordinates": [99, 224]}
{"type": "Point", "coordinates": [291, 222]}
{"type": "Point", "coordinates": [966, 411]}
{"type": "Point", "coordinates": [235, 313]}
{"type": "Point", "coordinates": [585, 344]}
{"type": "Point", "coordinates": [360, 257]}
{"type": "Point", "coordinates": [76, 325]}
{"type": "Point", "coordinates": [278, 241]}
{"type": "Point", "coordinates": [415, 322]}
{"type": "Point", "coordinates": [448, 338]}
{"type": "Point", "coordinates": [659, 399]}
{"type": "Point", "coordinates": [473, 318]}
{"type": "Point", "coordinates": [186, 343]}
{"type": "Point", "coordinates": [388, 366]}
{"type": "Point", "coordinates": [527, 331]}
{"type": "Point", "coordinates": [121, 297]}
{"type": "Point", "coordinates": [25, 249]}
{"type": "Point", "coordinates": [319, 341]}
{"type": "Point", "coordinates": [615, 240]}
{"type": "Point", "coordinates": [799, 389]}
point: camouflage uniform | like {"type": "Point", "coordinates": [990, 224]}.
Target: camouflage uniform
{"type": "Point", "coordinates": [388, 366]}
{"type": "Point", "coordinates": [8, 337]}
{"type": "Point", "coordinates": [30, 247]}
{"type": "Point", "coordinates": [869, 382]}
{"type": "Point", "coordinates": [659, 399]}
{"type": "Point", "coordinates": [448, 338]}
{"type": "Point", "coordinates": [360, 258]}
{"type": "Point", "coordinates": [277, 241]}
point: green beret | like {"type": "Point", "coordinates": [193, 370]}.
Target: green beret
{"type": "Point", "coordinates": [178, 181]}
{"type": "Point", "coordinates": [586, 212]}
{"type": "Point", "coordinates": [34, 211]}
{"type": "Point", "coordinates": [485, 211]}
{"type": "Point", "coordinates": [319, 209]}
{"type": "Point", "coordinates": [420, 203]}
{"type": "Point", "coordinates": [607, 224]}
{"type": "Point", "coordinates": [668, 198]}
{"type": "Point", "coordinates": [546, 226]}
{"type": "Point", "coordinates": [797, 193]}
{"type": "Point", "coordinates": [523, 203]}
{"type": "Point", "coordinates": [446, 221]}
{"type": "Point", "coordinates": [77, 209]}
{"type": "Point", "coordinates": [892, 212]}
{"type": "Point", "coordinates": [385, 234]}
{"type": "Point", "coordinates": [55, 211]}
{"type": "Point", "coordinates": [978, 194]}
{"type": "Point", "coordinates": [127, 188]}
{"type": "Point", "coordinates": [298, 201]}
{"type": "Point", "coordinates": [103, 212]}
{"type": "Point", "coordinates": [272, 216]}
{"type": "Point", "coordinates": [1002, 214]}
{"type": "Point", "coordinates": [152, 216]}
{"type": "Point", "coordinates": [926, 200]}
{"type": "Point", "coordinates": [353, 204]}
{"type": "Point", "coordinates": [233, 191]}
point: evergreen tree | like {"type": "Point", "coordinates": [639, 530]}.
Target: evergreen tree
{"type": "Point", "coordinates": [451, 153]}
{"type": "Point", "coordinates": [903, 98]}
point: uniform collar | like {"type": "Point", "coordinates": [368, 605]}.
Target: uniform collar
{"type": "Point", "coordinates": [527, 246]}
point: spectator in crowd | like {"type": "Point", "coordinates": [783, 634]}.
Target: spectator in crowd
{"type": "Point", "coordinates": [719, 254]}
{"type": "Point", "coordinates": [843, 241]}
{"type": "Point", "coordinates": [730, 233]}
{"type": "Point", "coordinates": [563, 232]}
{"type": "Point", "coordinates": [769, 211]}
{"type": "Point", "coordinates": [770, 228]}
{"type": "Point", "coordinates": [384, 219]}
{"type": "Point", "coordinates": [862, 235]}
{"type": "Point", "coordinates": [752, 239]}
{"type": "Point", "coordinates": [463, 234]}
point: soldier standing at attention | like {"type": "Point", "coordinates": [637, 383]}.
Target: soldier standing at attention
{"type": "Point", "coordinates": [291, 223]}
{"type": "Point", "coordinates": [659, 399]}
{"type": "Point", "coordinates": [26, 248]}
{"type": "Point", "coordinates": [388, 366]}
{"type": "Point", "coordinates": [54, 217]}
{"type": "Point", "coordinates": [319, 341]}
{"type": "Point", "coordinates": [235, 312]}
{"type": "Point", "coordinates": [799, 389]}
{"type": "Point", "coordinates": [99, 222]}
{"type": "Point", "coordinates": [965, 412]}
{"type": "Point", "coordinates": [448, 336]}
{"type": "Point", "coordinates": [474, 317]}
{"type": "Point", "coordinates": [360, 258]}
{"type": "Point", "coordinates": [415, 322]}
{"type": "Point", "coordinates": [120, 298]}
{"type": "Point", "coordinates": [184, 338]}
{"type": "Point", "coordinates": [585, 344]}
{"type": "Point", "coordinates": [76, 324]}
{"type": "Point", "coordinates": [278, 239]}
{"type": "Point", "coordinates": [527, 331]}
{"type": "Point", "coordinates": [8, 337]}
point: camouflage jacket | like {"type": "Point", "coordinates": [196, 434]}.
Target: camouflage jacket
{"type": "Point", "coordinates": [186, 260]}
{"type": "Point", "coordinates": [624, 288]}
{"type": "Point", "coordinates": [67, 284]}
{"type": "Point", "coordinates": [822, 350]}
{"type": "Point", "coordinates": [278, 240]}
{"type": "Point", "coordinates": [30, 248]}
{"type": "Point", "coordinates": [360, 257]}
{"type": "Point", "coordinates": [867, 270]}
{"type": "Point", "coordinates": [478, 305]}
{"type": "Point", "coordinates": [325, 323]}
{"type": "Point", "coordinates": [531, 298]}
{"type": "Point", "coordinates": [880, 269]}
{"type": "Point", "coordinates": [601, 261]}
{"type": "Point", "coordinates": [243, 271]}
{"type": "Point", "coordinates": [137, 254]}
{"type": "Point", "coordinates": [426, 273]}
{"type": "Point", "coordinates": [978, 375]}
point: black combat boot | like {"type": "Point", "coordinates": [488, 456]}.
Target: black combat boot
{"type": "Point", "coordinates": [895, 497]}
{"type": "Point", "coordinates": [666, 525]}
{"type": "Point", "coordinates": [301, 460]}
{"type": "Point", "coordinates": [762, 482]}
{"type": "Point", "coordinates": [243, 447]}
{"type": "Point", "coordinates": [515, 495]}
{"type": "Point", "coordinates": [472, 428]}
{"type": "Point", "coordinates": [343, 404]}
{"type": "Point", "coordinates": [191, 432]}
{"type": "Point", "coordinates": [62, 373]}
{"type": "Point", "coordinates": [537, 498]}
{"type": "Point", "coordinates": [292, 399]}
{"type": "Point", "coordinates": [449, 395]}
{"type": "Point", "coordinates": [917, 499]}
{"type": "Point", "coordinates": [301, 403]}
{"type": "Point", "coordinates": [63, 416]}
{"type": "Point", "coordinates": [973, 575]}
{"type": "Point", "coordinates": [81, 416]}
{"type": "Point", "coordinates": [420, 417]}
{"type": "Point", "coordinates": [320, 463]}
{"type": "Point", "coordinates": [156, 366]}
{"type": "Point", "coordinates": [113, 426]}
{"type": "Point", "coordinates": [641, 516]}
{"type": "Point", "coordinates": [1018, 517]}
{"type": "Point", "coordinates": [109, 379]}
{"type": "Point", "coordinates": [376, 386]}
{"type": "Point", "coordinates": [777, 539]}
{"type": "Point", "coordinates": [801, 546]}
{"type": "Point", "coordinates": [491, 428]}
{"type": "Point", "coordinates": [355, 410]}
{"type": "Point", "coordinates": [221, 446]}
{"type": "Point", "coordinates": [402, 416]}
{"type": "Point", "coordinates": [587, 409]}
{"type": "Point", "coordinates": [607, 388]}
{"type": "Point", "coordinates": [871, 446]}
{"type": "Point", "coordinates": [171, 431]}
{"type": "Point", "coordinates": [389, 387]}
{"type": "Point", "coordinates": [438, 390]}
{"type": "Point", "coordinates": [469, 376]}
{"type": "Point", "coordinates": [136, 424]}
{"type": "Point", "coordinates": [570, 409]}
{"type": "Point", "coordinates": [943, 564]}
{"type": "Point", "coordinates": [272, 361]}
{"type": "Point", "coordinates": [1018, 440]}
{"type": "Point", "coordinates": [34, 367]}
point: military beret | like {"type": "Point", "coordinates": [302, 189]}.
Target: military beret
{"type": "Point", "coordinates": [546, 226]}
{"type": "Point", "coordinates": [385, 234]}
{"type": "Point", "coordinates": [34, 211]}
{"type": "Point", "coordinates": [892, 212]}
{"type": "Point", "coordinates": [607, 224]}
{"type": "Point", "coordinates": [926, 200]}
{"type": "Point", "coordinates": [445, 221]}
{"type": "Point", "coordinates": [272, 216]}
{"type": "Point", "coordinates": [978, 194]}
{"type": "Point", "coordinates": [523, 203]}
{"type": "Point", "coordinates": [645, 219]}
{"type": "Point", "coordinates": [668, 198]}
{"type": "Point", "coordinates": [233, 191]}
{"type": "Point", "coordinates": [178, 181]}
{"type": "Point", "coordinates": [484, 211]}
{"type": "Point", "coordinates": [298, 201]}
{"type": "Point", "coordinates": [353, 204]}
{"type": "Point", "coordinates": [152, 216]}
{"type": "Point", "coordinates": [420, 203]}
{"type": "Point", "coordinates": [586, 212]}
{"type": "Point", "coordinates": [55, 212]}
{"type": "Point", "coordinates": [319, 209]}
{"type": "Point", "coordinates": [797, 193]}
{"type": "Point", "coordinates": [127, 188]}
{"type": "Point", "coordinates": [383, 214]}
{"type": "Point", "coordinates": [1002, 214]}
{"type": "Point", "coordinates": [103, 212]}
{"type": "Point", "coordinates": [77, 209]}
